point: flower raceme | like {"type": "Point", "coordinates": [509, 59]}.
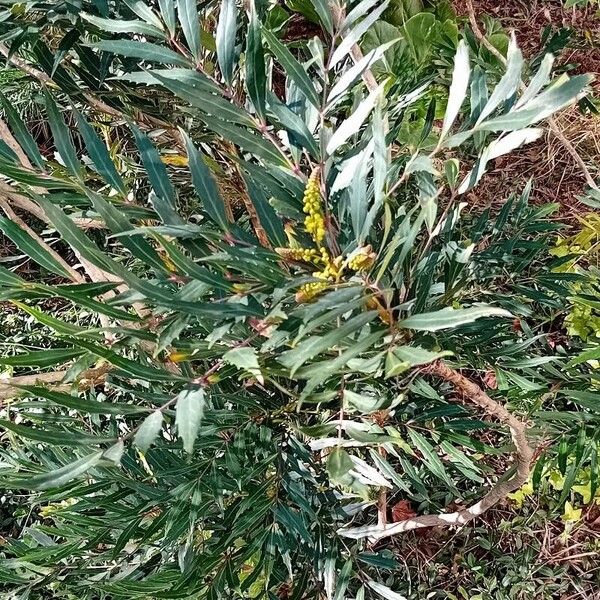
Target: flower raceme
{"type": "Point", "coordinates": [314, 223]}
{"type": "Point", "coordinates": [327, 269]}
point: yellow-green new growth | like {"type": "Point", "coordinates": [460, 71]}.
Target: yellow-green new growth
{"type": "Point", "coordinates": [314, 222]}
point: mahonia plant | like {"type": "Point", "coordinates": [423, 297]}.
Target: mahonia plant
{"type": "Point", "coordinates": [272, 309]}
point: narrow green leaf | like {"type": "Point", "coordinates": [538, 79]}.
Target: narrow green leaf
{"type": "Point", "coordinates": [80, 404]}
{"type": "Point", "coordinates": [21, 133]}
{"type": "Point", "coordinates": [315, 345]}
{"type": "Point", "coordinates": [61, 327]}
{"type": "Point", "coordinates": [155, 168]}
{"type": "Point", "coordinates": [131, 367]}
{"type": "Point", "coordinates": [197, 90]}
{"type": "Point", "coordinates": [359, 10]}
{"type": "Point", "coordinates": [225, 38]}
{"type": "Point", "coordinates": [267, 216]}
{"type": "Point", "coordinates": [292, 68]}
{"type": "Point", "coordinates": [191, 269]}
{"type": "Point", "coordinates": [205, 185]}
{"type": "Point", "coordinates": [318, 373]}
{"type": "Point", "coordinates": [247, 140]}
{"type": "Point", "coordinates": [143, 51]}
{"type": "Point", "coordinates": [8, 278]}
{"type": "Point", "coordinates": [461, 461]}
{"type": "Point", "coordinates": [190, 80]}
{"type": "Point", "coordinates": [41, 358]}
{"type": "Point", "coordinates": [148, 431]}
{"type": "Point", "coordinates": [142, 10]}
{"type": "Point", "coordinates": [458, 87]}
{"type": "Point", "coordinates": [383, 591]}
{"type": "Point", "coordinates": [339, 464]}
{"type": "Point", "coordinates": [118, 223]}
{"type": "Point", "coordinates": [430, 458]}
{"type": "Point", "coordinates": [120, 26]}
{"type": "Point", "coordinates": [54, 437]}
{"type": "Point", "coordinates": [245, 359]}
{"type": "Point", "coordinates": [74, 294]}
{"type": "Point", "coordinates": [32, 248]}
{"type": "Point", "coordinates": [299, 133]}
{"type": "Point", "coordinates": [256, 78]}
{"type": "Point", "coordinates": [154, 293]}
{"type": "Point", "coordinates": [377, 559]}
{"type": "Point", "coordinates": [479, 93]}
{"type": "Point", "coordinates": [323, 10]}
{"type": "Point", "coordinates": [7, 153]}
{"type": "Point", "coordinates": [188, 415]}
{"type": "Point", "coordinates": [343, 83]}
{"type": "Point", "coordinates": [99, 154]}
{"type": "Point", "coordinates": [64, 46]}
{"type": "Point", "coordinates": [355, 34]}
{"type": "Point", "coordinates": [167, 11]}
{"type": "Point", "coordinates": [451, 317]}
{"type": "Point", "coordinates": [115, 452]}
{"type": "Point", "coordinates": [28, 177]}
{"type": "Point", "coordinates": [554, 98]}
{"type": "Point", "coordinates": [503, 145]}
{"type": "Point", "coordinates": [509, 83]}
{"type": "Point", "coordinates": [62, 138]}
{"type": "Point", "coordinates": [59, 477]}
{"type": "Point", "coordinates": [538, 81]}
{"type": "Point", "coordinates": [74, 236]}
{"type": "Point", "coordinates": [367, 404]}
{"type": "Point", "coordinates": [413, 356]}
{"type": "Point", "coordinates": [190, 24]}
{"type": "Point", "coordinates": [589, 400]}
{"type": "Point", "coordinates": [589, 354]}
{"type": "Point", "coordinates": [354, 122]}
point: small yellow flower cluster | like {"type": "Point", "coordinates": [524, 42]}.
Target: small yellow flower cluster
{"type": "Point", "coordinates": [315, 256]}
{"type": "Point", "coordinates": [332, 271]}
{"type": "Point", "coordinates": [329, 270]}
{"type": "Point", "coordinates": [361, 259]}
{"type": "Point", "coordinates": [314, 222]}
{"type": "Point", "coordinates": [309, 291]}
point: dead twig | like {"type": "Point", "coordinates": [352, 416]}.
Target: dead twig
{"type": "Point", "coordinates": [471, 393]}
{"type": "Point", "coordinates": [74, 275]}
{"type": "Point", "coordinates": [9, 388]}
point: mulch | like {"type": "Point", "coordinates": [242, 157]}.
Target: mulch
{"type": "Point", "coordinates": [556, 177]}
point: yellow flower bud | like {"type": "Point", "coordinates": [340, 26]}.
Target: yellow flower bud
{"type": "Point", "coordinates": [314, 223]}
{"type": "Point", "coordinates": [361, 259]}
{"type": "Point", "coordinates": [309, 291]}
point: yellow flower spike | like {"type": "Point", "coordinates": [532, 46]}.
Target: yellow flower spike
{"type": "Point", "coordinates": [571, 515]}
{"type": "Point", "coordinates": [290, 253]}
{"type": "Point", "coordinates": [314, 223]}
{"type": "Point", "coordinates": [361, 259]}
{"type": "Point", "coordinates": [309, 291]}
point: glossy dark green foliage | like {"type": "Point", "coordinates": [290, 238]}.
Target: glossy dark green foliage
{"type": "Point", "coordinates": [211, 431]}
